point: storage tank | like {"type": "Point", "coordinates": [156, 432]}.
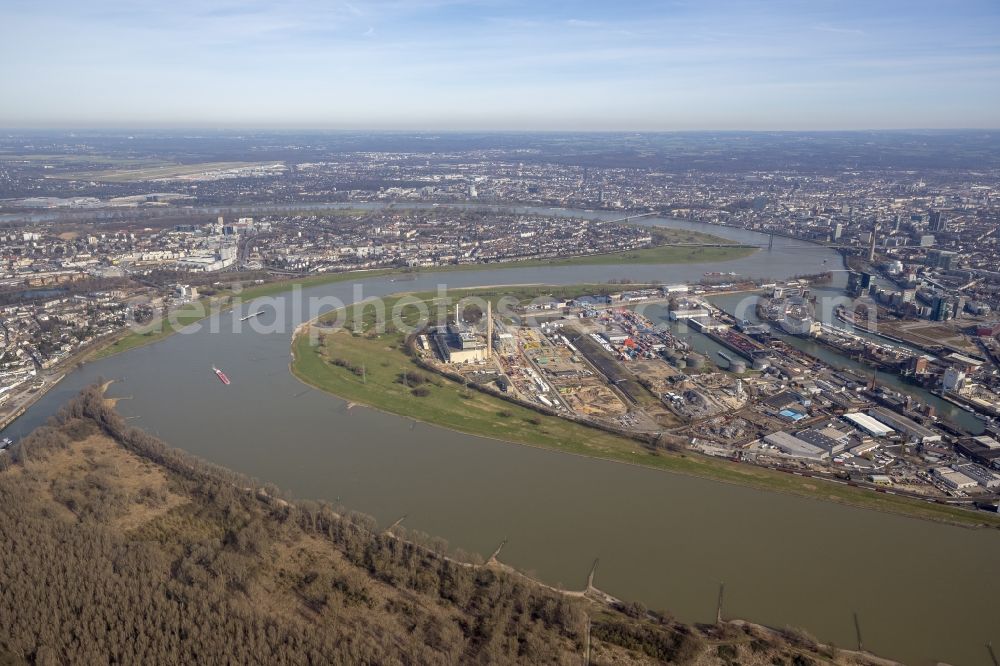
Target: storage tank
{"type": "Point", "coordinates": [738, 367]}
{"type": "Point", "coordinates": [695, 361]}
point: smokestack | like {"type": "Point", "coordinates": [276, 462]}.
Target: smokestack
{"type": "Point", "coordinates": [489, 329]}
{"type": "Point", "coordinates": [871, 249]}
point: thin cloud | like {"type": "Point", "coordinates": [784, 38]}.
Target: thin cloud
{"type": "Point", "coordinates": [840, 31]}
{"type": "Point", "coordinates": [482, 61]}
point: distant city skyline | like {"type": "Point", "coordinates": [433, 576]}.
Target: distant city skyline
{"type": "Point", "coordinates": [491, 65]}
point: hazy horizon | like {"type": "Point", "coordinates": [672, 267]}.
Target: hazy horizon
{"type": "Point", "coordinates": [306, 129]}
{"type": "Point", "coordinates": [483, 65]}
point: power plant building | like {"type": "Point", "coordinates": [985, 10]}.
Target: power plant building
{"type": "Point", "coordinates": [454, 344]}
{"type": "Point", "coordinates": [460, 342]}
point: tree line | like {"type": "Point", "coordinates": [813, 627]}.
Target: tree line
{"type": "Point", "coordinates": [81, 591]}
{"type": "Point", "coordinates": [238, 573]}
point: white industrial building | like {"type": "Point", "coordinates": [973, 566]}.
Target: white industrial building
{"type": "Point", "coordinates": [953, 379]}
{"type": "Point", "coordinates": [979, 474]}
{"type": "Point", "coordinates": [615, 334]}
{"type": "Point", "coordinates": [688, 313]}
{"type": "Point", "coordinates": [210, 262]}
{"type": "Point", "coordinates": [954, 479]}
{"type": "Point", "coordinates": [675, 289]}
{"type": "Point", "coordinates": [869, 425]}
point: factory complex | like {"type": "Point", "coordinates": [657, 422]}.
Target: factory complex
{"type": "Point", "coordinates": [667, 366]}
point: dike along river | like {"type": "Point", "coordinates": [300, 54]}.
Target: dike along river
{"type": "Point", "coordinates": [923, 591]}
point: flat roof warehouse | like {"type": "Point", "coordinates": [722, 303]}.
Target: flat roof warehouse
{"type": "Point", "coordinates": [906, 425]}
{"type": "Point", "coordinates": [793, 446]}
{"type": "Point", "coordinates": [870, 425]}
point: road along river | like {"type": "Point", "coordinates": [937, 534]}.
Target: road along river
{"type": "Point", "coordinates": [923, 591]}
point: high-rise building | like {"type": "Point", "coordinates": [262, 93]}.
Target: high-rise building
{"type": "Point", "coordinates": [859, 284]}
{"type": "Point", "coordinates": [938, 221]}
{"type": "Point", "coordinates": [959, 306]}
{"type": "Point", "coordinates": [940, 258]}
{"type": "Point", "coordinates": [854, 284]}
{"type": "Point", "coordinates": [871, 247]}
{"type": "Point", "coordinates": [943, 308]}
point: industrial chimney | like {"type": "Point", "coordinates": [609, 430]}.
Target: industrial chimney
{"type": "Point", "coordinates": [489, 329]}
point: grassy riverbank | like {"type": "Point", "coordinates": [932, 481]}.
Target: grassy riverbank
{"type": "Point", "coordinates": [178, 319]}
{"type": "Point", "coordinates": [661, 254]}
{"type": "Point", "coordinates": [192, 313]}
{"type": "Point", "coordinates": [671, 246]}
{"type": "Point", "coordinates": [366, 368]}
{"type": "Point", "coordinates": [666, 251]}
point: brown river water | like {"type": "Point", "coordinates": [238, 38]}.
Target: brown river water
{"type": "Point", "coordinates": [923, 591]}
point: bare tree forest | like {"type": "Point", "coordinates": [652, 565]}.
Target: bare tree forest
{"type": "Point", "coordinates": [118, 549]}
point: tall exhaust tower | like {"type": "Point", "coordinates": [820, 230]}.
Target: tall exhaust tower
{"type": "Point", "coordinates": [489, 329]}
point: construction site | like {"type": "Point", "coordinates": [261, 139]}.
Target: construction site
{"type": "Point", "coordinates": [538, 366]}
{"type": "Point", "coordinates": [607, 364]}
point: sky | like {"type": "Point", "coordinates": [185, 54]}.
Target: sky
{"type": "Point", "coordinates": [500, 64]}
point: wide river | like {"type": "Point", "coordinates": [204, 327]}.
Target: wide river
{"type": "Point", "coordinates": [923, 591]}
